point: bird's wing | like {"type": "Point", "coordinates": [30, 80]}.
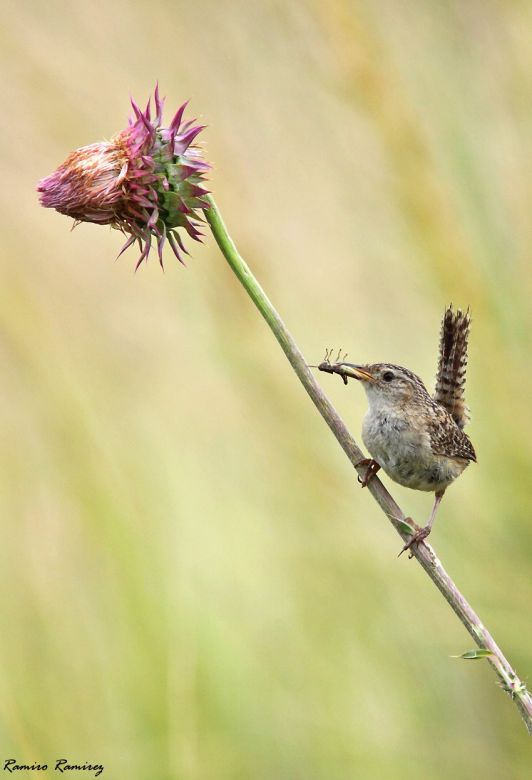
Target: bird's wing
{"type": "Point", "coordinates": [447, 439]}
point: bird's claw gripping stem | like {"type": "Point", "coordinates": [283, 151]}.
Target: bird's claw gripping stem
{"type": "Point", "coordinates": [372, 468]}
{"type": "Point", "coordinates": [419, 535]}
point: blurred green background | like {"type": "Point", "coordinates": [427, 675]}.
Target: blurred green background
{"type": "Point", "coordinates": [192, 584]}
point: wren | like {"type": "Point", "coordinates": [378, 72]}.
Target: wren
{"type": "Point", "coordinates": [417, 439]}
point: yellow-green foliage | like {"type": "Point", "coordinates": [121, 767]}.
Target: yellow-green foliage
{"type": "Point", "coordinates": [192, 583]}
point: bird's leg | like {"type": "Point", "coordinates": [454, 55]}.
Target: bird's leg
{"type": "Point", "coordinates": [422, 533]}
{"type": "Point", "coordinates": [371, 470]}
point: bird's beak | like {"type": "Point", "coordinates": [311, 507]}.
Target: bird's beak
{"type": "Point", "coordinates": [357, 372]}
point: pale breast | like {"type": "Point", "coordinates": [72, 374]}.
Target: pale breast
{"type": "Point", "coordinates": [405, 453]}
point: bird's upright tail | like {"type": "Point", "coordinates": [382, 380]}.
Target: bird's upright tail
{"type": "Point", "coordinates": [452, 363]}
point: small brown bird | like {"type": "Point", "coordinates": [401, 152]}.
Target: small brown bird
{"type": "Point", "coordinates": [418, 440]}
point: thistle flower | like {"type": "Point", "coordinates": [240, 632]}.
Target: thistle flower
{"type": "Point", "coordinates": [146, 181]}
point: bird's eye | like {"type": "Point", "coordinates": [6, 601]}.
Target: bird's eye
{"type": "Point", "coordinates": [388, 376]}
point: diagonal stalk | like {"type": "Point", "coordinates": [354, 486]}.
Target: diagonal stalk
{"type": "Point", "coordinates": [423, 553]}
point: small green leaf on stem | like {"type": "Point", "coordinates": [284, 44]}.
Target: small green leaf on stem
{"type": "Point", "coordinates": [405, 527]}
{"type": "Point", "coordinates": [474, 654]}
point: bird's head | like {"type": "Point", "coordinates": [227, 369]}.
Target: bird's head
{"type": "Point", "coordinates": [385, 384]}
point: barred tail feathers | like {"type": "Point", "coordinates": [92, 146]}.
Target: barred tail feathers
{"type": "Point", "coordinates": [450, 379]}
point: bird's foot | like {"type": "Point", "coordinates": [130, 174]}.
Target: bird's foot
{"type": "Point", "coordinates": [372, 467]}
{"type": "Point", "coordinates": [418, 536]}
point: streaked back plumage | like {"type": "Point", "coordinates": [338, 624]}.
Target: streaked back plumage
{"type": "Point", "coordinates": [452, 364]}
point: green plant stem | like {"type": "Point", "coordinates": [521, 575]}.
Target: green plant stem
{"type": "Point", "coordinates": [423, 553]}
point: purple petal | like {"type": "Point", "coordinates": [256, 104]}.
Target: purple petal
{"type": "Point", "coordinates": [180, 242]}
{"type": "Point", "coordinates": [136, 109]}
{"type": "Point", "coordinates": [176, 121]}
{"type": "Point", "coordinates": [159, 104]}
{"type": "Point", "coordinates": [174, 247]}
{"type": "Point", "coordinates": [183, 142]}
{"type": "Point", "coordinates": [131, 240]}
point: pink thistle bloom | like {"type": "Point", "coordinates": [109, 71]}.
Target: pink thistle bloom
{"type": "Point", "coordinates": [147, 181]}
